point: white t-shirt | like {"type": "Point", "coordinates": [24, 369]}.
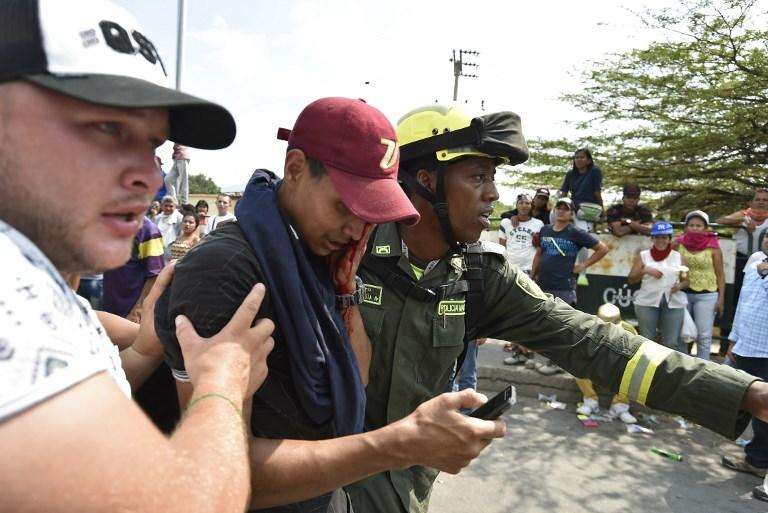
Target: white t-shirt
{"type": "Point", "coordinates": [50, 339]}
{"type": "Point", "coordinates": [216, 221]}
{"type": "Point", "coordinates": [520, 249]}
{"type": "Point", "coordinates": [170, 226]}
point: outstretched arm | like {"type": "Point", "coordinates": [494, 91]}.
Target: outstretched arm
{"type": "Point", "coordinates": [731, 219]}
{"type": "Point", "coordinates": [436, 434]}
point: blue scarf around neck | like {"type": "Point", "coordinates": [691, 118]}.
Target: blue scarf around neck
{"type": "Point", "coordinates": [323, 365]}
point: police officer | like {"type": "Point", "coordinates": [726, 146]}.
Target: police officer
{"type": "Point", "coordinates": [430, 287]}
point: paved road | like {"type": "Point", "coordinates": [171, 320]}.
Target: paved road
{"type": "Point", "coordinates": [549, 462]}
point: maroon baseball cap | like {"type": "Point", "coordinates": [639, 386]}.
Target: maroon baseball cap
{"type": "Point", "coordinates": [358, 147]}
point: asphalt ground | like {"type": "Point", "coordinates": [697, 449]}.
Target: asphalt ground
{"type": "Point", "coordinates": [550, 462]}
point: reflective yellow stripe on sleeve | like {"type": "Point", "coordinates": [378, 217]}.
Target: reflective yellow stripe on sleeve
{"type": "Point", "coordinates": [150, 248]}
{"type": "Point", "coordinates": [640, 370]}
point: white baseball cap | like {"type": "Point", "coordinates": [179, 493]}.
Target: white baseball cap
{"type": "Point", "coordinates": [95, 51]}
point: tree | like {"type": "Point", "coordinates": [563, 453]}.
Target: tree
{"type": "Point", "coordinates": [686, 117]}
{"type": "Point", "coordinates": [201, 184]}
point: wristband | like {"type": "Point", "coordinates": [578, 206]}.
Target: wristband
{"type": "Point", "coordinates": [344, 301]}
{"type": "Point", "coordinates": [220, 396]}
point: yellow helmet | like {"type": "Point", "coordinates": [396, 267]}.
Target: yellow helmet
{"type": "Point", "coordinates": [425, 122]}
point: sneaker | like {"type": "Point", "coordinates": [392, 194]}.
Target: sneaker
{"type": "Point", "coordinates": [549, 369]}
{"type": "Point", "coordinates": [759, 493]}
{"type": "Point", "coordinates": [517, 358]}
{"type": "Point", "coordinates": [621, 411]}
{"type": "Point", "coordinates": [588, 407]}
{"type": "Point", "coordinates": [742, 466]}
{"type": "Point", "coordinates": [532, 364]}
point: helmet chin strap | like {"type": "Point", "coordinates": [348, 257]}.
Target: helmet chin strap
{"type": "Point", "coordinates": [439, 204]}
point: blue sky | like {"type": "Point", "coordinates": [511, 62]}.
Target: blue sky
{"type": "Point", "coordinates": [265, 60]}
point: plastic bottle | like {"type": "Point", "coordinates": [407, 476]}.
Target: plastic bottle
{"type": "Point", "coordinates": [667, 454]}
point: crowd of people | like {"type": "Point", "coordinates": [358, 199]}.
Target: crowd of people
{"type": "Point", "coordinates": [677, 276]}
{"type": "Point", "coordinates": [337, 304]}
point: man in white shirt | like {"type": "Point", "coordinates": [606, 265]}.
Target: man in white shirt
{"type": "Point", "coordinates": [169, 223]}
{"type": "Point", "coordinates": [223, 202]}
{"type": "Point", "coordinates": [66, 78]}
{"type": "Point", "coordinates": [517, 235]}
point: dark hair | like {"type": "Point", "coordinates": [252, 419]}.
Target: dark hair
{"type": "Point", "coordinates": [201, 203]}
{"type": "Point", "coordinates": [586, 152]}
{"type": "Point", "coordinates": [316, 168]}
{"type": "Point", "coordinates": [193, 214]}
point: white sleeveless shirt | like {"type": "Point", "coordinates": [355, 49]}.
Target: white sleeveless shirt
{"type": "Point", "coordinates": [652, 289]}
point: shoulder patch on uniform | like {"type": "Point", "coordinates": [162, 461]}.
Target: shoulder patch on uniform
{"type": "Point", "coordinates": [492, 247]}
{"type": "Point", "coordinates": [382, 250]}
{"type": "Point", "coordinates": [372, 294]}
{"type": "Point", "coordinates": [486, 246]}
{"type": "Point", "coordinates": [528, 286]}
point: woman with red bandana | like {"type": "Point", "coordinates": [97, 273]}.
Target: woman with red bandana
{"type": "Point", "coordinates": [706, 277]}
{"type": "Point", "coordinates": [662, 280]}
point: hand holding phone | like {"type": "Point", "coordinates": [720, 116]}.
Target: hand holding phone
{"type": "Point", "coordinates": [496, 405]}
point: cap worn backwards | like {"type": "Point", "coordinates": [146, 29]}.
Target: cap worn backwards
{"type": "Point", "coordinates": [358, 147]}
{"type": "Point", "coordinates": [95, 51]}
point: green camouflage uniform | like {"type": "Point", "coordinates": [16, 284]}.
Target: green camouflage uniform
{"type": "Point", "coordinates": [416, 342]}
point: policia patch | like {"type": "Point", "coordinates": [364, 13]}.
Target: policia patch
{"type": "Point", "coordinates": [528, 286]}
{"type": "Point", "coordinates": [450, 308]}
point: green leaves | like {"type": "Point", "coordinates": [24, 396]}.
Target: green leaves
{"type": "Point", "coordinates": [201, 184]}
{"type": "Point", "coordinates": [686, 117]}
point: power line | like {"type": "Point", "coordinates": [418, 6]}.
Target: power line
{"type": "Point", "coordinates": [458, 68]}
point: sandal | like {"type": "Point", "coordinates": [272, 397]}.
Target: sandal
{"type": "Point", "coordinates": [742, 466]}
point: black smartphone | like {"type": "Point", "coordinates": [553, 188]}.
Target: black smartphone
{"type": "Point", "coordinates": [496, 405]}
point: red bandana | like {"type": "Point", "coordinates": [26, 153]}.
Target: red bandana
{"type": "Point", "coordinates": [698, 241]}
{"type": "Point", "coordinates": [660, 254]}
{"type": "Point", "coordinates": [757, 216]}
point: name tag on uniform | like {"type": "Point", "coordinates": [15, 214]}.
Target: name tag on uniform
{"type": "Point", "coordinates": [372, 294]}
{"type": "Point", "coordinates": [446, 307]}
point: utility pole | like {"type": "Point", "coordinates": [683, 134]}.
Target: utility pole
{"type": "Point", "coordinates": [458, 67]}
{"type": "Point", "coordinates": [182, 22]}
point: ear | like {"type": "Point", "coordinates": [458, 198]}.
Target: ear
{"type": "Point", "coordinates": [296, 166]}
{"type": "Point", "coordinates": [427, 179]}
